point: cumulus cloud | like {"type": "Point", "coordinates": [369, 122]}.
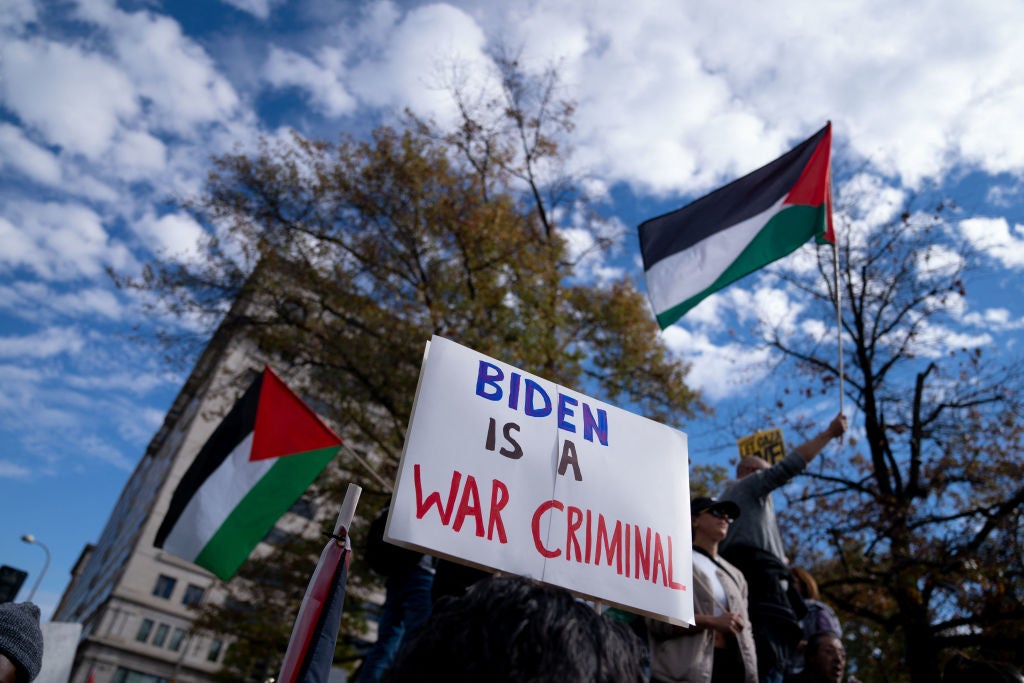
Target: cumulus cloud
{"type": "Point", "coordinates": [19, 153]}
{"type": "Point", "coordinates": [176, 235]}
{"type": "Point", "coordinates": [415, 55]}
{"type": "Point", "coordinates": [995, 237]}
{"type": "Point", "coordinates": [320, 80]}
{"type": "Point", "coordinates": [76, 99]}
{"type": "Point", "coordinates": [719, 370]}
{"type": "Point", "coordinates": [58, 241]}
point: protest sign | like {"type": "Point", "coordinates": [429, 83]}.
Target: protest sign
{"type": "Point", "coordinates": [506, 470]}
{"type": "Point", "coordinates": [767, 444]}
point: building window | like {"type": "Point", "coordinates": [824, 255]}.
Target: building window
{"type": "Point", "coordinates": [193, 594]}
{"type": "Point", "coordinates": [144, 629]}
{"type": "Point", "coordinates": [161, 635]}
{"type": "Point", "coordinates": [215, 648]}
{"type": "Point", "coordinates": [164, 586]}
{"type": "Point", "coordinates": [176, 638]}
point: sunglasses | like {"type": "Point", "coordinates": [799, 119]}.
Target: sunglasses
{"type": "Point", "coordinates": [720, 514]}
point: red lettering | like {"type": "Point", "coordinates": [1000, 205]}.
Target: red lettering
{"type": "Point", "coordinates": [535, 526]}
{"type": "Point", "coordinates": [672, 584]}
{"type": "Point", "coordinates": [423, 506]}
{"type": "Point", "coordinates": [612, 546]}
{"type": "Point", "coordinates": [586, 553]}
{"type": "Point", "coordinates": [659, 561]}
{"type": "Point", "coordinates": [627, 534]}
{"type": "Point", "coordinates": [643, 554]}
{"type": "Point", "coordinates": [571, 542]}
{"type": "Point", "coordinates": [470, 505]}
{"type": "Point", "coordinates": [499, 499]}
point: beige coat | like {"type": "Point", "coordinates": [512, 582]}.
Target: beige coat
{"type": "Point", "coordinates": [687, 655]}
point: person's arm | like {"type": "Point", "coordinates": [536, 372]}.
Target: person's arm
{"type": "Point", "coordinates": [809, 450]}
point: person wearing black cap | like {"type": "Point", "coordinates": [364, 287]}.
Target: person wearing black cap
{"type": "Point", "coordinates": [21, 642]}
{"type": "Point", "coordinates": [720, 649]}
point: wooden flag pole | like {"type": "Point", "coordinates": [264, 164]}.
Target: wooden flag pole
{"type": "Point", "coordinates": [839, 318]}
{"type": "Point", "coordinates": [348, 511]}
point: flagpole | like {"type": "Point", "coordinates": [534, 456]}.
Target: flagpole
{"type": "Point", "coordinates": [839, 318]}
{"type": "Point", "coordinates": [310, 651]}
{"type": "Point", "coordinates": [380, 480]}
{"type": "Point", "coordinates": [348, 511]}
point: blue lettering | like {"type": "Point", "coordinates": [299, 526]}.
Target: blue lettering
{"type": "Point", "coordinates": [488, 375]}
{"type": "Point", "coordinates": [513, 391]}
{"type": "Point", "coordinates": [565, 411]}
{"type": "Point", "coordinates": [590, 425]}
{"type": "Point", "coordinates": [532, 390]}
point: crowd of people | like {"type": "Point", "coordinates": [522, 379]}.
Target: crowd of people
{"type": "Point", "coordinates": [757, 619]}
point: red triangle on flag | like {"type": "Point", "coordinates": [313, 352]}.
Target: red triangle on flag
{"type": "Point", "coordinates": [285, 425]}
{"type": "Point", "coordinates": [814, 187]}
{"type": "Point", "coordinates": [811, 189]}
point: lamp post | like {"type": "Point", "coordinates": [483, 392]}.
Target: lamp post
{"type": "Point", "coordinates": [29, 538]}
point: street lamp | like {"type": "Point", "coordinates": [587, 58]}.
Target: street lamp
{"type": "Point", "coordinates": [29, 538]}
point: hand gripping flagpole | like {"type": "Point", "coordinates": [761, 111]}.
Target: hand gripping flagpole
{"type": "Point", "coordinates": [310, 650]}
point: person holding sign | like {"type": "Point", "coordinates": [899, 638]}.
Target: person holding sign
{"type": "Point", "coordinates": [720, 648]}
{"type": "Point", "coordinates": [754, 544]}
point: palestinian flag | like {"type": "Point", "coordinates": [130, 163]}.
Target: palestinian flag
{"type": "Point", "coordinates": [697, 250]}
{"type": "Point", "coordinates": [258, 462]}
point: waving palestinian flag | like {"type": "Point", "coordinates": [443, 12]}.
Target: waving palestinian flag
{"type": "Point", "coordinates": [697, 250]}
{"type": "Point", "coordinates": [258, 462]}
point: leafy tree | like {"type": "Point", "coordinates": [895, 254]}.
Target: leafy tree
{"type": "Point", "coordinates": [342, 259]}
{"type": "Point", "coordinates": [915, 533]}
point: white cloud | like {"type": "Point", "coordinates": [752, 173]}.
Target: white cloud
{"type": "Point", "coordinates": [681, 96]}
{"type": "Point", "coordinates": [138, 155]}
{"type": "Point", "coordinates": [44, 344]}
{"type": "Point", "coordinates": [171, 71]}
{"type": "Point", "coordinates": [23, 155]}
{"type": "Point", "coordinates": [77, 100]}
{"type": "Point", "coordinates": [409, 67]}
{"type": "Point", "coordinates": [321, 79]}
{"type": "Point", "coordinates": [97, 448]}
{"type": "Point", "coordinates": [260, 9]}
{"type": "Point", "coordinates": [994, 237]}
{"type": "Point", "coordinates": [17, 13]}
{"type": "Point", "coordinates": [10, 470]}
{"type": "Point", "coordinates": [720, 371]}
{"type": "Point", "coordinates": [175, 234]}
{"type": "Point", "coordinates": [40, 303]}
{"type": "Point", "coordinates": [58, 241]}
{"type": "Point", "coordinates": [937, 260]}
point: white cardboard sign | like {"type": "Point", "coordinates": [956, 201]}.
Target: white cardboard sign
{"type": "Point", "coordinates": [505, 470]}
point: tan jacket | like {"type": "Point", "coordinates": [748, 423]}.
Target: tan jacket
{"type": "Point", "coordinates": [686, 655]}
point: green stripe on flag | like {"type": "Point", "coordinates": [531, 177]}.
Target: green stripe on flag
{"type": "Point", "coordinates": [257, 513]}
{"type": "Point", "coordinates": [783, 234]}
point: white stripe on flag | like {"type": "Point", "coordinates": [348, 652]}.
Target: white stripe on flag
{"type": "Point", "coordinates": [675, 279]}
{"type": "Point", "coordinates": [221, 493]}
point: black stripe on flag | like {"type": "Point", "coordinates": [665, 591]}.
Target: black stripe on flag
{"type": "Point", "coordinates": [236, 425]}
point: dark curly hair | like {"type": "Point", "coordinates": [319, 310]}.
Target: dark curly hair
{"type": "Point", "coordinates": [510, 628]}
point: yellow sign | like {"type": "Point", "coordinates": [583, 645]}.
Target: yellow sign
{"type": "Point", "coordinates": [767, 444]}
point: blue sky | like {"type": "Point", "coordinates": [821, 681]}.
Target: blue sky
{"type": "Point", "coordinates": [110, 110]}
